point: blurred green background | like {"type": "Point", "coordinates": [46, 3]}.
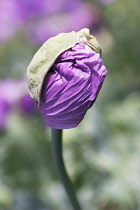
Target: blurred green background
{"type": "Point", "coordinates": [102, 154]}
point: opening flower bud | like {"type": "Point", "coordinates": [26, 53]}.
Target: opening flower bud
{"type": "Point", "coordinates": [65, 77]}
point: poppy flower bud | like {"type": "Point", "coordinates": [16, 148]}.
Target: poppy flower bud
{"type": "Point", "coordinates": [65, 77]}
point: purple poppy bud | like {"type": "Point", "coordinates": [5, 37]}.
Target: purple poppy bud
{"type": "Point", "coordinates": [71, 86]}
{"type": "Point", "coordinates": [72, 83]}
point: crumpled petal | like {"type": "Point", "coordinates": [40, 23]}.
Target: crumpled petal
{"type": "Point", "coordinates": [71, 87]}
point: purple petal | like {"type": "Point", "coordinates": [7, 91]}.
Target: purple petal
{"type": "Point", "coordinates": [71, 86]}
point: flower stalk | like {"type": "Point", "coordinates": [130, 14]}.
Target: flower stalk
{"type": "Point", "coordinates": [57, 150]}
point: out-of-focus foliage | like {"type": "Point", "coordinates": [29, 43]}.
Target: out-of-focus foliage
{"type": "Point", "coordinates": [102, 153]}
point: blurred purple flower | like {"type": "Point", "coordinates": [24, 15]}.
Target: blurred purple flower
{"type": "Point", "coordinates": [4, 113]}
{"type": "Point", "coordinates": [35, 8]}
{"type": "Point", "coordinates": [27, 105]}
{"type": "Point", "coordinates": [69, 17]}
{"type": "Point", "coordinates": [14, 96]}
{"type": "Point", "coordinates": [10, 22]}
{"type": "Point", "coordinates": [71, 87]}
{"type": "Point", "coordinates": [15, 13]}
{"type": "Point", "coordinates": [44, 19]}
{"type": "Point", "coordinates": [29, 8]}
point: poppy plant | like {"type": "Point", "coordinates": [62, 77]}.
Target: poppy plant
{"type": "Point", "coordinates": [65, 77]}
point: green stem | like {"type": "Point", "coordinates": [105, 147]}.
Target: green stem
{"type": "Point", "coordinates": [56, 135]}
